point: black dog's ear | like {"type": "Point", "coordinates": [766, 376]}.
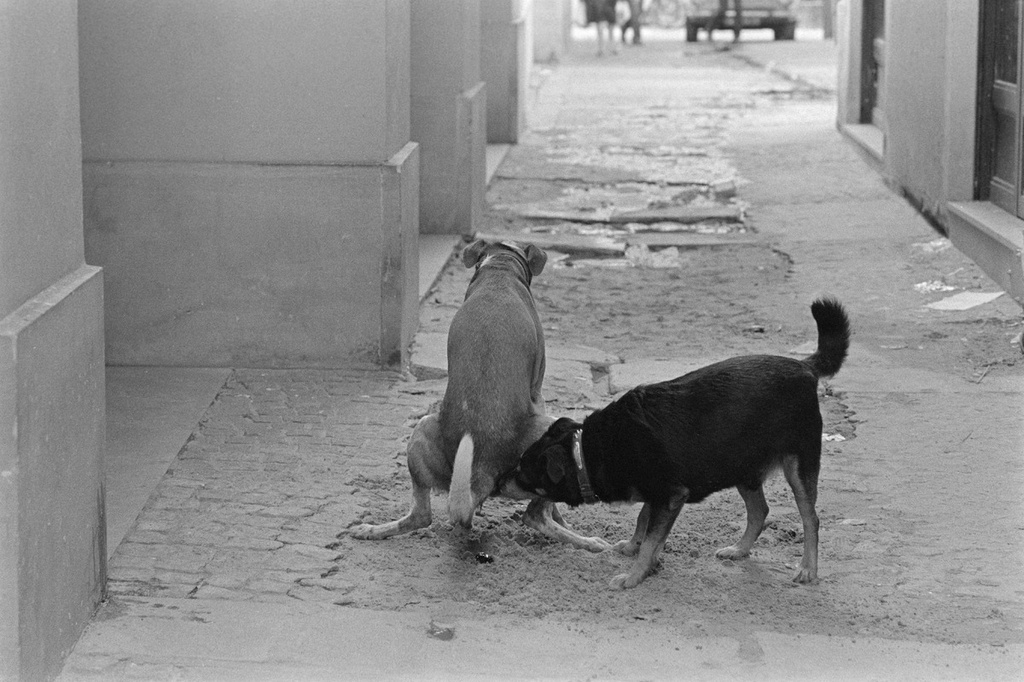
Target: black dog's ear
{"type": "Point", "coordinates": [536, 258]}
{"type": "Point", "coordinates": [561, 427]}
{"type": "Point", "coordinates": [473, 253]}
{"type": "Point", "coordinates": [554, 460]}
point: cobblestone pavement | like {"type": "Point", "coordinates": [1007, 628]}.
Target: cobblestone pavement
{"type": "Point", "coordinates": [254, 497]}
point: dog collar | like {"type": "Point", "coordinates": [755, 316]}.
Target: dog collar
{"type": "Point", "coordinates": [581, 469]}
{"type": "Point", "coordinates": [514, 248]}
{"type": "Point", "coordinates": [521, 259]}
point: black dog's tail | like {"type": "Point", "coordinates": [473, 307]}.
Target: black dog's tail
{"type": "Point", "coordinates": [833, 337]}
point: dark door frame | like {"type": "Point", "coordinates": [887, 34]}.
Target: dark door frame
{"type": "Point", "coordinates": [872, 61]}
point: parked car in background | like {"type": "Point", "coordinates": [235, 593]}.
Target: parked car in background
{"type": "Point", "coordinates": [778, 15]}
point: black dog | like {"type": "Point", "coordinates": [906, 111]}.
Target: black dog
{"type": "Point", "coordinates": [730, 424]}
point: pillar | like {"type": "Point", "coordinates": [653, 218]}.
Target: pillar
{"type": "Point", "coordinates": [448, 116]}
{"type": "Point", "coordinates": [52, 526]}
{"type": "Point", "coordinates": [250, 185]}
{"type": "Point", "coordinates": [505, 58]}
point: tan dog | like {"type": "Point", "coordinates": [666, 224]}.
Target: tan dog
{"type": "Point", "coordinates": [492, 409]}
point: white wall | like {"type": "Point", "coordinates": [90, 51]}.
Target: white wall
{"type": "Point", "coordinates": [249, 186]}
{"type": "Point", "coordinates": [262, 81]}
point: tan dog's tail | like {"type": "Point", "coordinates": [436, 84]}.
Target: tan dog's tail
{"type": "Point", "coordinates": [461, 504]}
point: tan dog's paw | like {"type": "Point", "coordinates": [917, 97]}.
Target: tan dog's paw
{"type": "Point", "coordinates": [625, 581]}
{"type": "Point", "coordinates": [732, 552]}
{"type": "Point", "coordinates": [596, 544]}
{"type": "Point", "coordinates": [365, 531]}
{"type": "Point", "coordinates": [806, 576]}
{"type": "Point", "coordinates": [626, 547]}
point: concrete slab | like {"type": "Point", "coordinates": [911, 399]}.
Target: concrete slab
{"type": "Point", "coordinates": [869, 372]}
{"type": "Point", "coordinates": [676, 214]}
{"type": "Point", "coordinates": [864, 371]}
{"type": "Point", "coordinates": [575, 380]}
{"type": "Point", "coordinates": [925, 439]}
{"type": "Point", "coordinates": [198, 639]}
{"type": "Point", "coordinates": [595, 357]}
{"type": "Point", "coordinates": [965, 300]}
{"type": "Point", "coordinates": [151, 412]}
{"type": "Point", "coordinates": [615, 246]}
{"type": "Point", "coordinates": [811, 62]}
{"type": "Point", "coordinates": [635, 372]}
{"type": "Point", "coordinates": [691, 240]}
{"type": "Point", "coordinates": [852, 221]}
{"type": "Point", "coordinates": [568, 243]}
{"type": "Point", "coordinates": [430, 353]}
{"type": "Point", "coordinates": [680, 214]}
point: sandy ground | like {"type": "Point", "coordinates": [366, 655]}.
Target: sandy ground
{"type": "Point", "coordinates": [921, 483]}
{"type": "Point", "coordinates": [883, 573]}
{"type": "Point", "coordinates": [653, 313]}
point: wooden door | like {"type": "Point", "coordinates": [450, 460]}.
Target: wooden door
{"type": "Point", "coordinates": [1000, 104]}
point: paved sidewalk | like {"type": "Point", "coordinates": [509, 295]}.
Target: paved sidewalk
{"type": "Point", "coordinates": [230, 572]}
{"type": "Point", "coordinates": [225, 640]}
{"type": "Point", "coordinates": [809, 61]}
{"type": "Point", "coordinates": [247, 507]}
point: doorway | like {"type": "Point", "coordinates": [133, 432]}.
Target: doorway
{"type": "Point", "coordinates": [872, 110]}
{"type": "Point", "coordinates": [999, 157]}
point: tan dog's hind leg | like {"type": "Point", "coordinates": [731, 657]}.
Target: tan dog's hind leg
{"type": "Point", "coordinates": [426, 462]}
{"type": "Point", "coordinates": [757, 512]}
{"type": "Point", "coordinates": [540, 516]}
{"type": "Point", "coordinates": [556, 516]}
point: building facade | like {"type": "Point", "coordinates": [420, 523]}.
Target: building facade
{"type": "Point", "coordinates": [211, 184]}
{"type": "Point", "coordinates": [930, 91]}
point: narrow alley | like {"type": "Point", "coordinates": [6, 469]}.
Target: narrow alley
{"type": "Point", "coordinates": [693, 203]}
